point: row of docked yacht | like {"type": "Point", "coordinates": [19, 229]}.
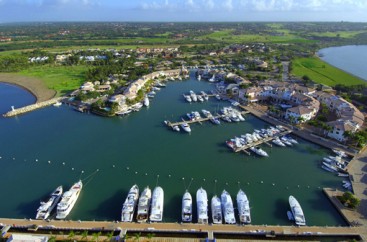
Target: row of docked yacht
{"type": "Point", "coordinates": [149, 206]}
{"type": "Point", "coordinates": [334, 164]}
{"type": "Point", "coordinates": [230, 114]}
{"type": "Point", "coordinates": [68, 200]}
{"type": "Point", "coordinates": [222, 208]}
{"type": "Point", "coordinates": [193, 97]}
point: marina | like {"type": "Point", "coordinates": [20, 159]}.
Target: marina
{"type": "Point", "coordinates": [134, 166]}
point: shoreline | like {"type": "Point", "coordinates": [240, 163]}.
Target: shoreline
{"type": "Point", "coordinates": [34, 86]}
{"type": "Point", "coordinates": [320, 58]}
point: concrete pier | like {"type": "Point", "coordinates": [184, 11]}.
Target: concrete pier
{"type": "Point", "coordinates": [32, 107]}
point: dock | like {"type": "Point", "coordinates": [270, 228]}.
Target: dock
{"type": "Point", "coordinates": [171, 124]}
{"type": "Point", "coordinates": [259, 142]}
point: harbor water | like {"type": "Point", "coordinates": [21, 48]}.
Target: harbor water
{"type": "Point", "coordinates": [57, 146]}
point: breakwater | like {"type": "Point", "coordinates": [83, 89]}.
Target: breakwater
{"type": "Point", "coordinates": [31, 107]}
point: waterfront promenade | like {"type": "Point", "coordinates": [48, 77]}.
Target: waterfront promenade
{"type": "Point", "coordinates": [204, 231]}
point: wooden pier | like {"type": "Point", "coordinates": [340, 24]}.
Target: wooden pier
{"type": "Point", "coordinates": [265, 140]}
{"type": "Point", "coordinates": [171, 124]}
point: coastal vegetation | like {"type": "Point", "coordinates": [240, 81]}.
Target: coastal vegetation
{"type": "Point", "coordinates": [318, 71]}
{"type": "Point", "coordinates": [349, 200]}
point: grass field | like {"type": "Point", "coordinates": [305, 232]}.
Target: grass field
{"type": "Point", "coordinates": [62, 79]}
{"type": "Point", "coordinates": [341, 34]}
{"type": "Point", "coordinates": [323, 73]}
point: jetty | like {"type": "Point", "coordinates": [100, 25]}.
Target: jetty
{"type": "Point", "coordinates": [29, 108]}
{"type": "Point", "coordinates": [171, 124]}
{"type": "Point", "coordinates": [259, 142]}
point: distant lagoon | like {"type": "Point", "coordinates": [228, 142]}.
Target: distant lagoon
{"type": "Point", "coordinates": [350, 58]}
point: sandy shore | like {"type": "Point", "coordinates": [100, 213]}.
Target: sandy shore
{"type": "Point", "coordinates": [33, 85]}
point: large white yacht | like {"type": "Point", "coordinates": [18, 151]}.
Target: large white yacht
{"type": "Point", "coordinates": [297, 211]}
{"type": "Point", "coordinates": [129, 205]}
{"type": "Point", "coordinates": [46, 207]}
{"type": "Point", "coordinates": [243, 206]}
{"type": "Point", "coordinates": [156, 214]}
{"type": "Point", "coordinates": [193, 96]}
{"type": "Point", "coordinates": [187, 207]}
{"type": "Point", "coordinates": [227, 206]}
{"type": "Point", "coordinates": [216, 206]}
{"type": "Point", "coordinates": [186, 127]}
{"type": "Point", "coordinates": [146, 101]}
{"type": "Point", "coordinates": [68, 200]}
{"type": "Point", "coordinates": [259, 151]}
{"type": "Point", "coordinates": [143, 205]}
{"type": "Point", "coordinates": [202, 206]}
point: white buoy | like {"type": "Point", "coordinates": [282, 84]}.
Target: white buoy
{"type": "Point", "coordinates": [63, 163]}
{"type": "Point", "coordinates": [169, 175]}
{"type": "Point", "coordinates": [136, 172]}
{"type": "Point", "coordinates": [273, 184]}
{"type": "Point", "coordinates": [127, 168]}
{"type": "Point", "coordinates": [13, 158]}
{"type": "Point", "coordinates": [36, 160]}
{"type": "Point", "coordinates": [113, 166]}
{"type": "Point", "coordinates": [183, 178]}
{"type": "Point", "coordinates": [49, 162]}
{"type": "Point", "coordinates": [262, 182]}
{"type": "Point", "coordinates": [146, 174]}
{"type": "Point", "coordinates": [82, 171]}
{"type": "Point", "coordinates": [72, 168]}
{"type": "Point", "coordinates": [297, 185]}
{"type": "Point", "coordinates": [97, 169]}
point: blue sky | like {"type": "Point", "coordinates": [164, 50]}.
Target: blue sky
{"type": "Point", "coordinates": [183, 10]}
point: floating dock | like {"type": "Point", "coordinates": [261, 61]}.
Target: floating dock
{"type": "Point", "coordinates": [265, 140]}
{"type": "Point", "coordinates": [171, 124]}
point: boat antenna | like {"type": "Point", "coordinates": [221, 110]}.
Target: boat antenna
{"type": "Point", "coordinates": [156, 184]}
{"type": "Point", "coordinates": [190, 183]}
{"type": "Point", "coordinates": [183, 180]}
{"type": "Point", "coordinates": [215, 186]}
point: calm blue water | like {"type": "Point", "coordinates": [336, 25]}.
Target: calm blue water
{"type": "Point", "coordinates": [351, 58]}
{"type": "Point", "coordinates": [52, 146]}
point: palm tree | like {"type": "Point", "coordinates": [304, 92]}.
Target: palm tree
{"type": "Point", "coordinates": [85, 235]}
{"type": "Point", "coordinates": [52, 238]}
{"type": "Point", "coordinates": [137, 236]}
{"type": "Point", "coordinates": [96, 236]}
{"type": "Point", "coordinates": [71, 235]}
{"type": "Point", "coordinates": [150, 236]}
{"type": "Point", "coordinates": [109, 236]}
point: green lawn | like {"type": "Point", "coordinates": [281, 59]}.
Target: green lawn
{"type": "Point", "coordinates": [342, 34]}
{"type": "Point", "coordinates": [321, 72]}
{"type": "Point", "coordinates": [62, 79]}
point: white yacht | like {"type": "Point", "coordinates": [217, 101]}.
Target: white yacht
{"type": "Point", "coordinates": [176, 128]}
{"type": "Point", "coordinates": [156, 214]}
{"type": "Point", "coordinates": [68, 200]}
{"type": "Point", "coordinates": [339, 153]}
{"type": "Point", "coordinates": [259, 151]}
{"type": "Point", "coordinates": [243, 206]}
{"type": "Point", "coordinates": [129, 205]}
{"type": "Point", "coordinates": [199, 77]}
{"type": "Point", "coordinates": [146, 101]}
{"type": "Point", "coordinates": [207, 113]}
{"type": "Point", "coordinates": [227, 206]}
{"type": "Point", "coordinates": [44, 211]}
{"type": "Point", "coordinates": [186, 207]}
{"type": "Point", "coordinates": [214, 120]}
{"type": "Point", "coordinates": [204, 95]}
{"type": "Point", "coordinates": [297, 212]}
{"type": "Point", "coordinates": [200, 98]}
{"type": "Point", "coordinates": [285, 141]}
{"type": "Point", "coordinates": [202, 206]}
{"type": "Point", "coordinates": [216, 206]}
{"type": "Point", "coordinates": [143, 205]}
{"type": "Point", "coordinates": [186, 127]}
{"type": "Point", "coordinates": [278, 142]}
{"type": "Point", "coordinates": [212, 79]}
{"type": "Point", "coordinates": [187, 98]}
{"type": "Point", "coordinates": [193, 96]}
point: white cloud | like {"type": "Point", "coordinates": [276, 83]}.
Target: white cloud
{"type": "Point", "coordinates": [208, 4]}
{"type": "Point", "coordinates": [227, 4]}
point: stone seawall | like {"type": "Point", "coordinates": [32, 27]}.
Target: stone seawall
{"type": "Point", "coordinates": [31, 107]}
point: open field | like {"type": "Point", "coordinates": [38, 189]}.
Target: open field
{"type": "Point", "coordinates": [323, 73]}
{"type": "Point", "coordinates": [341, 34]}
{"type": "Point", "coordinates": [62, 79]}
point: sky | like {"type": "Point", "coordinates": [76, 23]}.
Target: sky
{"type": "Point", "coordinates": [182, 10]}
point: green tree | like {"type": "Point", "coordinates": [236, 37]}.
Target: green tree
{"type": "Point", "coordinates": [84, 235]}
{"type": "Point", "coordinates": [52, 238]}
{"type": "Point", "coordinates": [150, 236]}
{"type": "Point", "coordinates": [71, 235]}
{"type": "Point", "coordinates": [109, 236]}
{"type": "Point", "coordinates": [96, 236]}
{"type": "Point", "coordinates": [137, 236]}
{"type": "Point", "coordinates": [354, 202]}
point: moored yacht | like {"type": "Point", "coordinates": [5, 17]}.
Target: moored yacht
{"type": "Point", "coordinates": [143, 205]}
{"type": "Point", "coordinates": [227, 205]}
{"type": "Point", "coordinates": [187, 98]}
{"type": "Point", "coordinates": [243, 206]}
{"type": "Point", "coordinates": [204, 95]}
{"type": "Point", "coordinates": [68, 200]}
{"type": "Point", "coordinates": [278, 142]}
{"type": "Point", "coordinates": [44, 211]}
{"type": "Point", "coordinates": [193, 96]}
{"type": "Point", "coordinates": [216, 207]}
{"type": "Point", "coordinates": [129, 205]}
{"type": "Point", "coordinates": [186, 127]}
{"type": "Point", "coordinates": [146, 101]}
{"type": "Point", "coordinates": [297, 211]}
{"type": "Point", "coordinates": [186, 207]}
{"type": "Point", "coordinates": [259, 151]}
{"type": "Point", "coordinates": [156, 214]}
{"type": "Point", "coordinates": [202, 206]}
